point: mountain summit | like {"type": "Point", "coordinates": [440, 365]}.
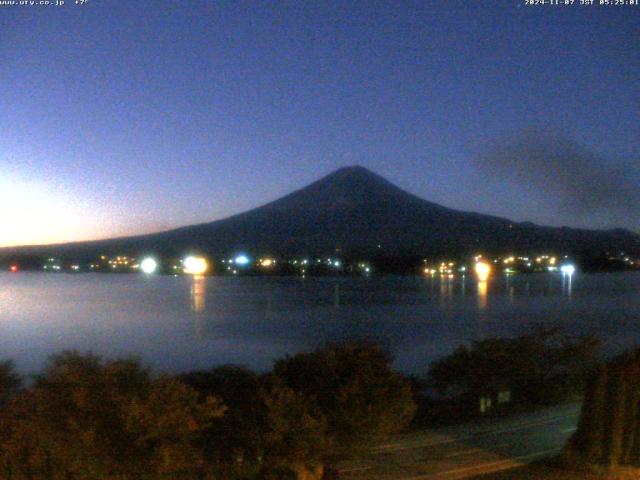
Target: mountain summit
{"type": "Point", "coordinates": [347, 187]}
{"type": "Point", "coordinates": [357, 212]}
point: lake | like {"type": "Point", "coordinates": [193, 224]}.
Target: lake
{"type": "Point", "coordinates": [181, 323]}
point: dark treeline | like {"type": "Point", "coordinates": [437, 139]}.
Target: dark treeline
{"type": "Point", "coordinates": [543, 366]}
{"type": "Point", "coordinates": [86, 418]}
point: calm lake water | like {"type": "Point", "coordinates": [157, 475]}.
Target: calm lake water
{"type": "Point", "coordinates": [180, 323]}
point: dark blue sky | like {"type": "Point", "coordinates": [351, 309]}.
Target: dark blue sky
{"type": "Point", "coordinates": [129, 117]}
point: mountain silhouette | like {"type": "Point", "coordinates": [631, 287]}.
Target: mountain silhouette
{"type": "Point", "coordinates": [356, 212]}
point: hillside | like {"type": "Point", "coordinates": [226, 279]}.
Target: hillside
{"type": "Point", "coordinates": [355, 212]}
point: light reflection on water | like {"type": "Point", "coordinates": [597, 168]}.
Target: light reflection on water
{"type": "Point", "coordinates": [186, 322]}
{"type": "Point", "coordinates": [483, 290]}
{"type": "Point", "coordinates": [198, 289]}
{"type": "Point", "coordinates": [566, 284]}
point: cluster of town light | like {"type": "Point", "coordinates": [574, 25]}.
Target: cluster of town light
{"type": "Point", "coordinates": [483, 268]}
{"type": "Point", "coordinates": [196, 265]}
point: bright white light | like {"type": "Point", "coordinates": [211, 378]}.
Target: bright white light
{"type": "Point", "coordinates": [242, 259]}
{"type": "Point", "coordinates": [336, 263]}
{"type": "Point", "coordinates": [195, 265]}
{"type": "Point", "coordinates": [148, 265]}
{"type": "Point", "coordinates": [483, 270]}
{"type": "Point", "coordinates": [567, 269]}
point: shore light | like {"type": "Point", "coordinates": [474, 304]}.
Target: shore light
{"type": "Point", "coordinates": [483, 270]}
{"type": "Point", "coordinates": [148, 265]}
{"type": "Point", "coordinates": [242, 259]}
{"type": "Point", "coordinates": [195, 265]}
{"type": "Point", "coordinates": [568, 269]}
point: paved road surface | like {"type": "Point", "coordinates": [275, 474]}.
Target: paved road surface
{"type": "Point", "coordinates": [464, 451]}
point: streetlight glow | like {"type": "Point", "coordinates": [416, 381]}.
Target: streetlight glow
{"type": "Point", "coordinates": [483, 270]}
{"type": "Point", "coordinates": [242, 259]}
{"type": "Point", "coordinates": [148, 265]}
{"type": "Point", "coordinates": [195, 265]}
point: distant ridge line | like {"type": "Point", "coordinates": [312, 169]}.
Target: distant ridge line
{"type": "Point", "coordinates": [357, 212]}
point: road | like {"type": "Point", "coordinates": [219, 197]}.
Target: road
{"type": "Point", "coordinates": [484, 446]}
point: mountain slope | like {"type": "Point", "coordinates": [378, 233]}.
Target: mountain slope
{"type": "Point", "coordinates": [354, 211]}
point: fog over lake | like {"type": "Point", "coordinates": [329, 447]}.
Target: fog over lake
{"type": "Point", "coordinates": [181, 323]}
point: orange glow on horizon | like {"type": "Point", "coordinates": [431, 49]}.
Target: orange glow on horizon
{"type": "Point", "coordinates": [34, 213]}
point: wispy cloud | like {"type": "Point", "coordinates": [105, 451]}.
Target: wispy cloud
{"type": "Point", "coordinates": [583, 185]}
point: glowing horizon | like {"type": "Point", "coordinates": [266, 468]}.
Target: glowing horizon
{"type": "Point", "coordinates": [35, 214]}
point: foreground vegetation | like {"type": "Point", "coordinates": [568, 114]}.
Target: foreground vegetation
{"type": "Point", "coordinates": [606, 444]}
{"type": "Point", "coordinates": [544, 366]}
{"type": "Point", "coordinates": [85, 418]}
{"type": "Point", "coordinates": [608, 434]}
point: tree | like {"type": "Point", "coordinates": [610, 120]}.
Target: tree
{"type": "Point", "coordinates": [86, 419]}
{"type": "Point", "coordinates": [295, 440]}
{"type": "Point", "coordinates": [167, 424]}
{"type": "Point", "coordinates": [355, 388]}
{"type": "Point", "coordinates": [608, 432]}
{"type": "Point", "coordinates": [10, 381]}
{"type": "Point", "coordinates": [592, 432]}
{"type": "Point", "coordinates": [538, 367]}
{"type": "Point", "coordinates": [235, 441]}
{"type": "Point", "coordinates": [268, 429]}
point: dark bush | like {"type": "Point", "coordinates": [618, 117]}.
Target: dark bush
{"type": "Point", "coordinates": [354, 386]}
{"type": "Point", "coordinates": [87, 419]}
{"type": "Point", "coordinates": [542, 367]}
